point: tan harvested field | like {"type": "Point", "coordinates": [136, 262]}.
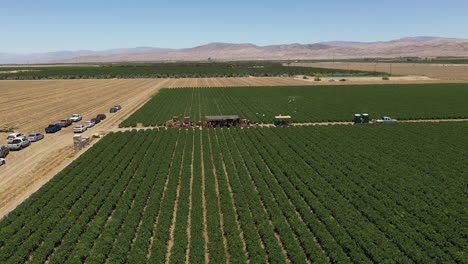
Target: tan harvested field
{"type": "Point", "coordinates": [438, 71]}
{"type": "Point", "coordinates": [30, 105]}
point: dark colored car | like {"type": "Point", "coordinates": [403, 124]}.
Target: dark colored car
{"type": "Point", "coordinates": [113, 110]}
{"type": "Point", "coordinates": [101, 116]}
{"type": "Point", "coordinates": [52, 128]}
{"type": "Point", "coordinates": [118, 107]}
{"type": "Point", "coordinates": [96, 120]}
{"type": "Point", "coordinates": [4, 150]}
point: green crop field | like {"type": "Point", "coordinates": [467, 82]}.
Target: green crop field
{"type": "Point", "coordinates": [328, 194]}
{"type": "Point", "coordinates": [171, 70]}
{"type": "Point", "coordinates": [307, 103]}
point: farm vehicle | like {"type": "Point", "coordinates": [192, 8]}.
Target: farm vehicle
{"type": "Point", "coordinates": [364, 118]}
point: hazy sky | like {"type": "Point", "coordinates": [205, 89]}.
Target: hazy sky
{"type": "Point", "coordinates": [51, 25]}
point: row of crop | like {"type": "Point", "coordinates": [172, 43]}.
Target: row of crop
{"type": "Point", "coordinates": [100, 207]}
{"type": "Point", "coordinates": [158, 170]}
{"type": "Point", "coordinates": [178, 252]}
{"type": "Point", "coordinates": [31, 229]}
{"type": "Point", "coordinates": [161, 233]}
{"type": "Point", "coordinates": [253, 228]}
{"type": "Point", "coordinates": [297, 240]}
{"type": "Point", "coordinates": [306, 103]}
{"type": "Point", "coordinates": [236, 243]}
{"type": "Point", "coordinates": [132, 206]}
{"type": "Point", "coordinates": [342, 211]}
{"type": "Point", "coordinates": [264, 221]}
{"type": "Point", "coordinates": [434, 227]}
{"type": "Point", "coordinates": [216, 243]}
{"type": "Point", "coordinates": [172, 70]}
{"type": "Point", "coordinates": [336, 194]}
{"type": "Point", "coordinates": [369, 199]}
{"type": "Point", "coordinates": [313, 219]}
{"type": "Point", "coordinates": [51, 192]}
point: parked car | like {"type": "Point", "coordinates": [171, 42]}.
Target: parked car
{"type": "Point", "coordinates": [35, 137]}
{"type": "Point", "coordinates": [113, 110]}
{"type": "Point", "coordinates": [15, 135]}
{"type": "Point", "coordinates": [118, 107]}
{"type": "Point", "coordinates": [96, 120]}
{"type": "Point", "coordinates": [65, 122]}
{"type": "Point", "coordinates": [76, 118]}
{"type": "Point", "coordinates": [4, 150]}
{"type": "Point", "coordinates": [79, 129]}
{"type": "Point", "coordinates": [101, 116]}
{"type": "Point", "coordinates": [89, 124]}
{"type": "Point", "coordinates": [19, 143]}
{"type": "Point", "coordinates": [2, 161]}
{"type": "Point", "coordinates": [343, 80]}
{"type": "Point", "coordinates": [52, 128]}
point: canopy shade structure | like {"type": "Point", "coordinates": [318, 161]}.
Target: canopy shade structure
{"type": "Point", "coordinates": [282, 117]}
{"type": "Point", "coordinates": [222, 117]}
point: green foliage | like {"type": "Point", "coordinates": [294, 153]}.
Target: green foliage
{"type": "Point", "coordinates": [168, 70]}
{"type": "Point", "coordinates": [306, 103]}
{"type": "Point", "coordinates": [385, 78]}
{"type": "Point", "coordinates": [391, 193]}
{"type": "Point", "coordinates": [317, 79]}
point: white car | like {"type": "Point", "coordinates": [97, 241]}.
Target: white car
{"type": "Point", "coordinates": [89, 124]}
{"type": "Point", "coordinates": [18, 143]}
{"type": "Point", "coordinates": [15, 135]}
{"type": "Point", "coordinates": [79, 129]}
{"type": "Point", "coordinates": [35, 137]}
{"type": "Point", "coordinates": [76, 118]}
{"type": "Point", "coordinates": [2, 161]}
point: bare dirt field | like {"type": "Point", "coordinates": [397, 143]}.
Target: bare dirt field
{"type": "Point", "coordinates": [29, 106]}
{"type": "Point", "coordinates": [438, 71]}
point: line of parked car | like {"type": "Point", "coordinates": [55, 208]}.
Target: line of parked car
{"type": "Point", "coordinates": [18, 141]}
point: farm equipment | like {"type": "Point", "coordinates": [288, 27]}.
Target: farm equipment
{"type": "Point", "coordinates": [211, 121]}
{"type": "Point", "coordinates": [281, 120]}
{"type": "Point", "coordinates": [7, 129]}
{"type": "Point", "coordinates": [364, 119]}
{"type": "Point", "coordinates": [80, 142]}
{"type": "Point", "coordinates": [222, 121]}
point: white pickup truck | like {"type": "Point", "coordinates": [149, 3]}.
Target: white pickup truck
{"type": "Point", "coordinates": [76, 118]}
{"type": "Point", "coordinates": [386, 119]}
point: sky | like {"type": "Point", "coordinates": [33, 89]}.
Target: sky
{"type": "Point", "coordinates": [28, 26]}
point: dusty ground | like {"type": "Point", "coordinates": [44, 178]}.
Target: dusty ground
{"type": "Point", "coordinates": [437, 71]}
{"type": "Point", "coordinates": [29, 106]}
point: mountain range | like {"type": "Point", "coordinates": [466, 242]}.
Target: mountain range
{"type": "Point", "coordinates": [422, 46]}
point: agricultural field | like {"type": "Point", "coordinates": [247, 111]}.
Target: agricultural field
{"type": "Point", "coordinates": [169, 70]}
{"type": "Point", "coordinates": [29, 106]}
{"type": "Point", "coordinates": [439, 71]}
{"type": "Point", "coordinates": [325, 194]}
{"type": "Point", "coordinates": [306, 103]}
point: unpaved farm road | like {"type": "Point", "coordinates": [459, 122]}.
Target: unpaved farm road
{"type": "Point", "coordinates": [29, 106]}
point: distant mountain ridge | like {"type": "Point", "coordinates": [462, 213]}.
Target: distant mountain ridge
{"type": "Point", "coordinates": [6, 58]}
{"type": "Point", "coordinates": [424, 46]}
